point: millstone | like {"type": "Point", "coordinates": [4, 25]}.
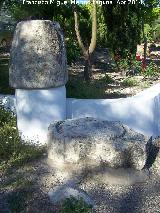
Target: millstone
{"type": "Point", "coordinates": [38, 56]}
{"type": "Point", "coordinates": [89, 141]}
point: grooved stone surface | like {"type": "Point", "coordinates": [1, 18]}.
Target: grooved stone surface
{"type": "Point", "coordinates": [89, 141]}
{"type": "Point", "coordinates": [38, 56]}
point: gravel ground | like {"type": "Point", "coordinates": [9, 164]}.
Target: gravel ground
{"type": "Point", "coordinates": [136, 198]}
{"type": "Point", "coordinates": [26, 190]}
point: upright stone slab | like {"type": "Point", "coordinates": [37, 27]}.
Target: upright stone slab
{"type": "Point", "coordinates": [38, 73]}
{"type": "Point", "coordinates": [38, 56]}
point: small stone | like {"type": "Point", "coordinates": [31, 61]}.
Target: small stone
{"type": "Point", "coordinates": [90, 141]}
{"type": "Point", "coordinates": [60, 193]}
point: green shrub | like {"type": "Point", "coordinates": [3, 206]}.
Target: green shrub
{"type": "Point", "coordinates": [107, 79]}
{"type": "Point", "coordinates": [130, 82]}
{"type": "Point", "coordinates": [73, 51]}
{"type": "Point", "coordinates": [152, 70]}
{"type": "Point", "coordinates": [6, 117]}
{"type": "Point", "coordinates": [71, 205]}
{"type": "Point", "coordinates": [137, 65]}
{"type": "Point", "coordinates": [130, 65]}
{"type": "Point", "coordinates": [123, 64]}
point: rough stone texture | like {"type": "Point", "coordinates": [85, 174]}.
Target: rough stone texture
{"type": "Point", "coordinates": [157, 115]}
{"type": "Point", "coordinates": [89, 141]}
{"type": "Point", "coordinates": [38, 56]}
{"type": "Point", "coordinates": [155, 156]}
{"type": "Point", "coordinates": [60, 193]}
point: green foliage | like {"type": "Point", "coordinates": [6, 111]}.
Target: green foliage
{"type": "Point", "coordinates": [4, 77]}
{"type": "Point", "coordinates": [73, 51]}
{"type": "Point", "coordinates": [148, 32]}
{"type": "Point", "coordinates": [6, 117]}
{"type": "Point", "coordinates": [136, 65]}
{"type": "Point", "coordinates": [156, 28]}
{"type": "Point", "coordinates": [123, 64]}
{"type": "Point", "coordinates": [129, 65]}
{"type": "Point", "coordinates": [85, 22]}
{"type": "Point", "coordinates": [22, 11]}
{"type": "Point", "coordinates": [13, 151]}
{"type": "Point", "coordinates": [130, 82]}
{"type": "Point", "coordinates": [107, 79]}
{"type": "Point", "coordinates": [72, 205]}
{"type": "Point", "coordinates": [123, 28]}
{"type": "Point", "coordinates": [18, 12]}
{"type": "Point", "coordinates": [101, 28]}
{"type": "Point", "coordinates": [152, 70]}
{"type": "Point", "coordinates": [150, 13]}
{"type": "Point", "coordinates": [125, 23]}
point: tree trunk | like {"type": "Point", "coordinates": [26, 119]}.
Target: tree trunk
{"type": "Point", "coordinates": [87, 52]}
{"type": "Point", "coordinates": [88, 68]}
{"type": "Point", "coordinates": [145, 45]}
{"type": "Point", "coordinates": [145, 49]}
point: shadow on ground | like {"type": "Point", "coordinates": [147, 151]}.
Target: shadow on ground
{"type": "Point", "coordinates": [25, 189]}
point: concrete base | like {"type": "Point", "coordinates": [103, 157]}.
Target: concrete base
{"type": "Point", "coordinates": [36, 109]}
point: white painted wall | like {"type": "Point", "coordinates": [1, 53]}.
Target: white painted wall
{"type": "Point", "coordinates": [36, 109]}
{"type": "Point", "coordinates": [140, 112]}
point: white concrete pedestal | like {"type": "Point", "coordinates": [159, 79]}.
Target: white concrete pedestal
{"type": "Point", "coordinates": [36, 109]}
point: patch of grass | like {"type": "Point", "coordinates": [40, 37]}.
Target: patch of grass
{"type": "Point", "coordinates": [152, 71]}
{"type": "Point", "coordinates": [145, 84]}
{"type": "Point", "coordinates": [82, 89]}
{"type": "Point", "coordinates": [71, 205]}
{"type": "Point", "coordinates": [106, 79]}
{"type": "Point", "coordinates": [130, 82]}
{"type": "Point", "coordinates": [14, 152]}
{"type": "Point", "coordinates": [16, 181]}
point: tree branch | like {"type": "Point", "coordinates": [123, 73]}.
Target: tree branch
{"type": "Point", "coordinates": [94, 29]}
{"type": "Point", "coordinates": [78, 31]}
